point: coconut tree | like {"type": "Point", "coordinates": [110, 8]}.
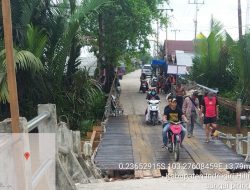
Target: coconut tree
{"type": "Point", "coordinates": [212, 59]}
{"type": "Point", "coordinates": [24, 60]}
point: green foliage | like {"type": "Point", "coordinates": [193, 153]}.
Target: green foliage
{"type": "Point", "coordinates": [84, 101]}
{"type": "Point", "coordinates": [226, 117]}
{"type": "Point", "coordinates": [23, 60]}
{"type": "Point", "coordinates": [212, 63]}
{"type": "Point", "coordinates": [48, 37]}
{"type": "Point", "coordinates": [51, 31]}
{"type": "Point", "coordinates": [240, 53]}
{"type": "Point", "coordinates": [133, 23]}
{"type": "Point", "coordinates": [85, 125]}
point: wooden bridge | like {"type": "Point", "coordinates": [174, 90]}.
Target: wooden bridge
{"type": "Point", "coordinates": [130, 144]}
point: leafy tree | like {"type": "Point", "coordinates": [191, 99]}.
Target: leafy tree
{"type": "Point", "coordinates": [240, 55]}
{"type": "Point", "coordinates": [122, 28]}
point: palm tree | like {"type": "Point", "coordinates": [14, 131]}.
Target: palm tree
{"type": "Point", "coordinates": [24, 60]}
{"type": "Point", "coordinates": [212, 59]}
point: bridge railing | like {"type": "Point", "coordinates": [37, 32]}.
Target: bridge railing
{"type": "Point", "coordinates": [112, 105]}
{"type": "Point", "coordinates": [238, 108]}
{"type": "Point", "coordinates": [32, 124]}
{"type": "Point", "coordinates": [70, 166]}
{"type": "Point", "coordinates": [238, 140]}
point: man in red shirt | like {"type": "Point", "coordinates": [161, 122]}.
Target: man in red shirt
{"type": "Point", "coordinates": [210, 108]}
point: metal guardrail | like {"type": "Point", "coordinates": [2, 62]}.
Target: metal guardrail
{"type": "Point", "coordinates": [32, 124]}
{"type": "Point", "coordinates": [208, 89]}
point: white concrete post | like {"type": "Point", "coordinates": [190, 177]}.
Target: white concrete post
{"type": "Point", "coordinates": [76, 142]}
{"type": "Point", "coordinates": [228, 140]}
{"type": "Point", "coordinates": [248, 148]}
{"type": "Point", "coordinates": [238, 144]}
{"type": "Point", "coordinates": [50, 124]}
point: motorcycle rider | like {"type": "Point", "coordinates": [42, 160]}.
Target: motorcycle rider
{"type": "Point", "coordinates": [143, 79]}
{"type": "Point", "coordinates": [154, 82]}
{"type": "Point", "coordinates": [152, 95]}
{"type": "Point", "coordinates": [174, 114]}
{"type": "Point", "coordinates": [143, 76]}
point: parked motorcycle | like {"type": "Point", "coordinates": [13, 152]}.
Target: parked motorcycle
{"type": "Point", "coordinates": [153, 107]}
{"type": "Point", "coordinates": [174, 139]}
{"type": "Point", "coordinates": [144, 86]}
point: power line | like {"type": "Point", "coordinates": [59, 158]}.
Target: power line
{"type": "Point", "coordinates": [175, 30]}
{"type": "Point", "coordinates": [196, 2]}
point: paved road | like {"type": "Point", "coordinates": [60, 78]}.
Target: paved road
{"type": "Point", "coordinates": [132, 101]}
{"type": "Point", "coordinates": [237, 182]}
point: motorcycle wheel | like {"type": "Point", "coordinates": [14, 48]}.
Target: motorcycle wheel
{"type": "Point", "coordinates": [176, 151]}
{"type": "Point", "coordinates": [154, 120]}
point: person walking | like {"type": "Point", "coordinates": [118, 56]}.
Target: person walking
{"type": "Point", "coordinates": [210, 108]}
{"type": "Point", "coordinates": [180, 93]}
{"type": "Point", "coordinates": [191, 110]}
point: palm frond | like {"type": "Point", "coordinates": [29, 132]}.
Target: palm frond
{"type": "Point", "coordinates": [4, 94]}
{"type": "Point", "coordinates": [25, 60]}
{"type": "Point", "coordinates": [63, 46]}
{"type": "Point", "coordinates": [36, 40]}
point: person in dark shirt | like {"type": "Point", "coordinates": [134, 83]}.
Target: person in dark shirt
{"type": "Point", "coordinates": [172, 113]}
{"type": "Point", "coordinates": [152, 95]}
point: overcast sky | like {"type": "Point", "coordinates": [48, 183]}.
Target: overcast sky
{"type": "Point", "coordinates": [226, 11]}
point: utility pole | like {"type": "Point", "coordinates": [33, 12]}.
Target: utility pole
{"type": "Point", "coordinates": [11, 74]}
{"type": "Point", "coordinates": [196, 2]}
{"type": "Point", "coordinates": [239, 19]}
{"type": "Point", "coordinates": [166, 25]}
{"type": "Point", "coordinates": [175, 30]}
{"type": "Point", "coordinates": [157, 38]}
{"type": "Point", "coordinates": [248, 17]}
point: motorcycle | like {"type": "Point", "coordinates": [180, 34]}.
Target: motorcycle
{"type": "Point", "coordinates": [144, 86]}
{"type": "Point", "coordinates": [174, 139]}
{"type": "Point", "coordinates": [153, 107]}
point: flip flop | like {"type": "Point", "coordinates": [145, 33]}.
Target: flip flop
{"type": "Point", "coordinates": [207, 141]}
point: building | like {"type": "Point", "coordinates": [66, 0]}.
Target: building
{"type": "Point", "coordinates": [179, 53]}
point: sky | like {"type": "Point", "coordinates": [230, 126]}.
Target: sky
{"type": "Point", "coordinates": [182, 18]}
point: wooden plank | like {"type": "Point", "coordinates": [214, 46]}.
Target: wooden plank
{"type": "Point", "coordinates": [156, 173]}
{"type": "Point", "coordinates": [200, 155]}
{"type": "Point", "coordinates": [147, 173]}
{"type": "Point", "coordinates": [82, 144]}
{"type": "Point", "coordinates": [98, 135]}
{"type": "Point", "coordinates": [138, 174]}
{"type": "Point", "coordinates": [92, 138]}
{"type": "Point", "coordinates": [95, 144]}
{"type": "Point", "coordinates": [89, 134]}
{"type": "Point", "coordinates": [98, 128]}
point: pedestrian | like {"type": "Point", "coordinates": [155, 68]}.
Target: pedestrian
{"type": "Point", "coordinates": [191, 110]}
{"type": "Point", "coordinates": [210, 108]}
{"type": "Point", "coordinates": [180, 93]}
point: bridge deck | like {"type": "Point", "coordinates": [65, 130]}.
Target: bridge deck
{"type": "Point", "coordinates": [128, 141]}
